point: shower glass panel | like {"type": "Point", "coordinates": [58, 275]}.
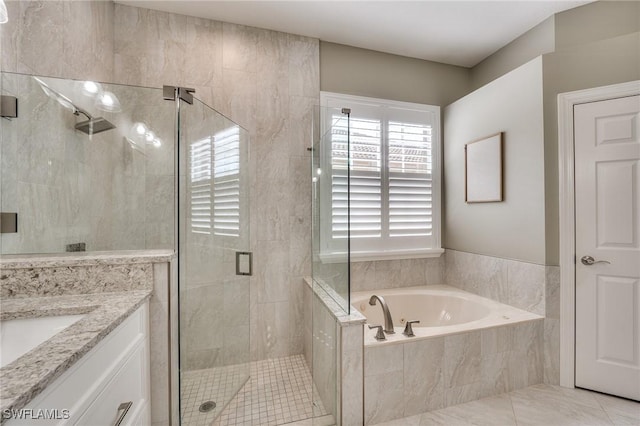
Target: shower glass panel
{"type": "Point", "coordinates": [213, 235]}
{"type": "Point", "coordinates": [86, 166]}
{"type": "Point", "coordinates": [330, 204]}
{"type": "Point", "coordinates": [330, 256]}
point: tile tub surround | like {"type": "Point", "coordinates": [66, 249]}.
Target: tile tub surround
{"type": "Point", "coordinates": [27, 376]}
{"type": "Point", "coordinates": [511, 282]}
{"type": "Point", "coordinates": [423, 375]}
{"type": "Point", "coordinates": [381, 274]}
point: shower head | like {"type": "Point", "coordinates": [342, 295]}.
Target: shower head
{"type": "Point", "coordinates": [94, 125]}
{"type": "Point", "coordinates": [91, 126]}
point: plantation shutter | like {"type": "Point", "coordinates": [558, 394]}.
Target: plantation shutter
{"type": "Point", "coordinates": [226, 182]}
{"type": "Point", "coordinates": [200, 176]}
{"type": "Point", "coordinates": [390, 150]}
{"type": "Point", "coordinates": [410, 179]}
{"type": "Point", "coordinates": [366, 194]}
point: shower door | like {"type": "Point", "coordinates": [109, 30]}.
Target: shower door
{"type": "Point", "coordinates": [214, 263]}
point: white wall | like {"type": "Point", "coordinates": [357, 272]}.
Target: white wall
{"type": "Point", "coordinates": [514, 228]}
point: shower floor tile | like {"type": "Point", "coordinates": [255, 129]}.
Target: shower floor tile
{"type": "Point", "coordinates": [212, 384]}
{"type": "Point", "coordinates": [278, 392]}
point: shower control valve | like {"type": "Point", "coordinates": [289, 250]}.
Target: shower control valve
{"type": "Point", "coordinates": [379, 334]}
{"type": "Point", "coordinates": [408, 330]}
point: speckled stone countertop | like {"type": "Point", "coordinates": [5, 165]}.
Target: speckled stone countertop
{"type": "Point", "coordinates": [57, 260]}
{"type": "Point", "coordinates": [27, 376]}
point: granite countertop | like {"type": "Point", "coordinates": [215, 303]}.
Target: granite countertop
{"type": "Point", "coordinates": [27, 376]}
{"type": "Point", "coordinates": [120, 257]}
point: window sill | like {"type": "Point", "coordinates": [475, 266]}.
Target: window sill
{"type": "Point", "coordinates": [384, 255]}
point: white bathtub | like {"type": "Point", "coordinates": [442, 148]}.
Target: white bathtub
{"type": "Point", "coordinates": [441, 310]}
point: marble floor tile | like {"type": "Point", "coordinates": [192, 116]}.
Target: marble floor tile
{"type": "Point", "coordinates": [539, 405]}
{"type": "Point", "coordinates": [623, 410]}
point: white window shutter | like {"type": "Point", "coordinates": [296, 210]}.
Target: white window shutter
{"type": "Point", "coordinates": [226, 182]}
{"type": "Point", "coordinates": [200, 196]}
{"type": "Point", "coordinates": [410, 184]}
{"type": "Point", "coordinates": [365, 188]}
{"type": "Point", "coordinates": [391, 156]}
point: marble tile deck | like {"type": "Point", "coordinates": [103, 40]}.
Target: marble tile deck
{"type": "Point", "coordinates": [539, 405]}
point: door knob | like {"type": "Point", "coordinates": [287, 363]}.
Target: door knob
{"type": "Point", "coordinates": [588, 260]}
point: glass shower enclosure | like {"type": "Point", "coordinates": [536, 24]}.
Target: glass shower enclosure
{"type": "Point", "coordinates": [90, 166]}
{"type": "Point", "coordinates": [214, 260]}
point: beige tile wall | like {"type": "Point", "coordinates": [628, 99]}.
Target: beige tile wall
{"type": "Point", "coordinates": [514, 283]}
{"type": "Point", "coordinates": [396, 273]}
{"type": "Point", "coordinates": [410, 378]}
{"type": "Point", "coordinates": [268, 82]}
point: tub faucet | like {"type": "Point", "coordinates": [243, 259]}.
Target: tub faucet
{"type": "Point", "coordinates": [388, 322]}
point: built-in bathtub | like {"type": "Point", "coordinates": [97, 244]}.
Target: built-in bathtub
{"type": "Point", "coordinates": [466, 347]}
{"type": "Point", "coordinates": [441, 310]}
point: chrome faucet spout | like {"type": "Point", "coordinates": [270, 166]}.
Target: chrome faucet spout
{"type": "Point", "coordinates": [388, 321]}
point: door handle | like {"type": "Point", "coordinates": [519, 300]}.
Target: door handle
{"type": "Point", "coordinates": [588, 260]}
{"type": "Point", "coordinates": [123, 409]}
{"type": "Point", "coordinates": [244, 267]}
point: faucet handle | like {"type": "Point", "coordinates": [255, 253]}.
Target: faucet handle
{"type": "Point", "coordinates": [379, 334]}
{"type": "Point", "coordinates": [408, 330]}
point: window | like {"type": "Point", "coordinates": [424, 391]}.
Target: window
{"type": "Point", "coordinates": [215, 184]}
{"type": "Point", "coordinates": [393, 160]}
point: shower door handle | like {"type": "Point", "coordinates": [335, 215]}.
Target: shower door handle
{"type": "Point", "coordinates": [244, 263]}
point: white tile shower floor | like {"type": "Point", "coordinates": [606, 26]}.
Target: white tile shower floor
{"type": "Point", "coordinates": [539, 405]}
{"type": "Point", "coordinates": [278, 392]}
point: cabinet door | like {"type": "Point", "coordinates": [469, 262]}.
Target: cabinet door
{"type": "Point", "coordinates": [124, 396]}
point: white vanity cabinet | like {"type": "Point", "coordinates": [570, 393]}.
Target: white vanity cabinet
{"type": "Point", "coordinates": [109, 384]}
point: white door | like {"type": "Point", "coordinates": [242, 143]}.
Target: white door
{"type": "Point", "coordinates": [607, 185]}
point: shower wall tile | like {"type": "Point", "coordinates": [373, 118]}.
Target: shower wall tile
{"type": "Point", "coordinates": [239, 47]}
{"type": "Point", "coordinates": [59, 39]}
{"type": "Point", "coordinates": [301, 123]}
{"type": "Point", "coordinates": [41, 38]}
{"type": "Point", "coordinates": [9, 38]}
{"type": "Point", "coordinates": [297, 309]}
{"type": "Point", "coordinates": [203, 54]}
{"type": "Point", "coordinates": [203, 322]}
{"type": "Point", "coordinates": [300, 247]}
{"type": "Point", "coordinates": [304, 66]}
{"type": "Point", "coordinates": [272, 274]}
{"type": "Point", "coordinates": [308, 323]}
{"type": "Point", "coordinates": [272, 334]}
{"type": "Point", "coordinates": [88, 53]}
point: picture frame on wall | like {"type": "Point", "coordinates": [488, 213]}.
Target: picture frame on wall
{"type": "Point", "coordinates": [483, 170]}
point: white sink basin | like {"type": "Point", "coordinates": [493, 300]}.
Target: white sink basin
{"type": "Point", "coordinates": [19, 336]}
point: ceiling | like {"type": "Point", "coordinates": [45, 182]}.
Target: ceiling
{"type": "Point", "coordinates": [453, 32]}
